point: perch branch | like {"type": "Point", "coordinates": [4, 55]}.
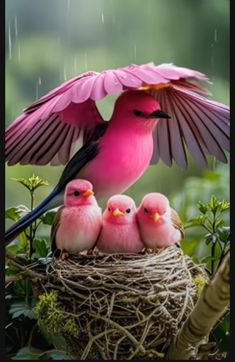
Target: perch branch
{"type": "Point", "coordinates": [211, 305]}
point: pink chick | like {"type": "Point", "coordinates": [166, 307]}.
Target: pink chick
{"type": "Point", "coordinates": [120, 232]}
{"type": "Point", "coordinates": [159, 224]}
{"type": "Point", "coordinates": [78, 223]}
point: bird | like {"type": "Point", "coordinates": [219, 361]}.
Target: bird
{"type": "Point", "coordinates": [78, 222]}
{"type": "Point", "coordinates": [159, 224]}
{"type": "Point", "coordinates": [159, 111]}
{"type": "Point", "coordinates": [119, 233]}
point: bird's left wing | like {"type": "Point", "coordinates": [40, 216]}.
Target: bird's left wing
{"type": "Point", "coordinates": [196, 122]}
{"type": "Point", "coordinates": [54, 229]}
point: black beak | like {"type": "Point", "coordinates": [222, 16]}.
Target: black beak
{"type": "Point", "coordinates": [159, 114]}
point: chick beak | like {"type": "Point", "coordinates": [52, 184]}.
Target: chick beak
{"type": "Point", "coordinates": [156, 217]}
{"type": "Point", "coordinates": [88, 193]}
{"type": "Point", "coordinates": [117, 213]}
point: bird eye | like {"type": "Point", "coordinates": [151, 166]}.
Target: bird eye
{"type": "Point", "coordinates": [128, 211]}
{"type": "Point", "coordinates": [137, 113]}
{"type": "Point", "coordinates": [76, 193]}
{"type": "Point", "coordinates": [146, 210]}
{"type": "Point", "coordinates": [109, 209]}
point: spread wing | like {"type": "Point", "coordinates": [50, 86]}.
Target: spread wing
{"type": "Point", "coordinates": [177, 222]}
{"type": "Point", "coordinates": [196, 123]}
{"type": "Point", "coordinates": [48, 130]}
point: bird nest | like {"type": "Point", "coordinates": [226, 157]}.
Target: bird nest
{"type": "Point", "coordinates": [120, 306]}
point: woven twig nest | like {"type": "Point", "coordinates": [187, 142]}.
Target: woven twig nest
{"type": "Point", "coordinates": [119, 306]}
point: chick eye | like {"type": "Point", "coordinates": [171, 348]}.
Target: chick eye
{"type": "Point", "coordinates": [76, 193]}
{"type": "Point", "coordinates": [146, 210]}
{"type": "Point", "coordinates": [128, 211]}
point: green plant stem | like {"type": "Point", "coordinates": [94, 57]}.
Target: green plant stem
{"type": "Point", "coordinates": [32, 226]}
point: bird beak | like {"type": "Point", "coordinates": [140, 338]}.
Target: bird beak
{"type": "Point", "coordinates": [88, 193]}
{"type": "Point", "coordinates": [117, 213]}
{"type": "Point", "coordinates": [159, 114]}
{"type": "Point", "coordinates": [156, 216]}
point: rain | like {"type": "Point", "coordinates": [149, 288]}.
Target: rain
{"type": "Point", "coordinates": [9, 41]}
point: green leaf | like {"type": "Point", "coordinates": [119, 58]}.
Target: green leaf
{"type": "Point", "coordinates": [41, 248]}
{"type": "Point", "coordinates": [14, 213]}
{"type": "Point", "coordinates": [202, 207]}
{"type": "Point", "coordinates": [32, 183]}
{"type": "Point", "coordinates": [31, 353]}
{"type": "Point", "coordinates": [48, 218]}
{"type": "Point", "coordinates": [224, 234]}
{"type": "Point", "coordinates": [18, 309]}
{"type": "Point", "coordinates": [225, 205]}
{"type": "Point", "coordinates": [213, 204]}
{"type": "Point", "coordinates": [59, 356]}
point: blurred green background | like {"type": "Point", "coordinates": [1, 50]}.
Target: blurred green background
{"type": "Point", "coordinates": [48, 42]}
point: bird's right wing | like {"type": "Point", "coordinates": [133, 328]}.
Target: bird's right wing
{"type": "Point", "coordinates": [177, 223]}
{"type": "Point", "coordinates": [49, 129]}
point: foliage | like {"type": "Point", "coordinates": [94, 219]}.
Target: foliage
{"type": "Point", "coordinates": [20, 301]}
{"type": "Point", "coordinates": [53, 321]}
{"type": "Point", "coordinates": [218, 235]}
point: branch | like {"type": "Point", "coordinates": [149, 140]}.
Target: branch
{"type": "Point", "coordinates": [30, 273]}
{"type": "Point", "coordinates": [211, 305]}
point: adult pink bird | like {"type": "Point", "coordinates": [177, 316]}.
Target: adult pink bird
{"type": "Point", "coordinates": [159, 224]}
{"type": "Point", "coordinates": [120, 232]}
{"type": "Point", "coordinates": [78, 223]}
{"type": "Point", "coordinates": [160, 111]}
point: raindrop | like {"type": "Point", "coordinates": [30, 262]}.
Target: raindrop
{"type": "Point", "coordinates": [19, 52]}
{"type": "Point", "coordinates": [16, 27]}
{"type": "Point", "coordinates": [85, 61]}
{"type": "Point", "coordinates": [215, 35]}
{"type": "Point", "coordinates": [9, 41]}
{"type": "Point", "coordinates": [214, 163]}
{"type": "Point", "coordinates": [135, 51]}
{"type": "Point", "coordinates": [39, 80]}
{"type": "Point", "coordinates": [102, 18]}
{"type": "Point", "coordinates": [36, 90]}
{"type": "Point", "coordinates": [68, 6]}
{"type": "Point", "coordinates": [75, 64]}
{"type": "Point", "coordinates": [64, 74]}
{"type": "Point", "coordinates": [149, 8]}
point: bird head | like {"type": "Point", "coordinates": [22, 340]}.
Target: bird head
{"type": "Point", "coordinates": [78, 193]}
{"type": "Point", "coordinates": [139, 108]}
{"type": "Point", "coordinates": [154, 209]}
{"type": "Point", "coordinates": [120, 209]}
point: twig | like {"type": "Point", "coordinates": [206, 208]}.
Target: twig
{"type": "Point", "coordinates": [30, 273]}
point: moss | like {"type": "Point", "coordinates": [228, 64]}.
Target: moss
{"type": "Point", "coordinates": [52, 316]}
{"type": "Point", "coordinates": [199, 281]}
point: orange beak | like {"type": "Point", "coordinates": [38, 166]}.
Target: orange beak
{"type": "Point", "coordinates": [88, 193]}
{"type": "Point", "coordinates": [117, 213]}
{"type": "Point", "coordinates": [156, 216]}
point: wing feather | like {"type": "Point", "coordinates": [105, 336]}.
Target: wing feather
{"type": "Point", "coordinates": [199, 123]}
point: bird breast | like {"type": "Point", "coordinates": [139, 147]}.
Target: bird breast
{"type": "Point", "coordinates": [121, 160]}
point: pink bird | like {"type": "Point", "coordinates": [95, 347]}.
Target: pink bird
{"type": "Point", "coordinates": [120, 232]}
{"type": "Point", "coordinates": [78, 223]}
{"type": "Point", "coordinates": [159, 224]}
{"type": "Point", "coordinates": [160, 111]}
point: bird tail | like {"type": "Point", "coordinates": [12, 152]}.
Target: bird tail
{"type": "Point", "coordinates": [52, 200]}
